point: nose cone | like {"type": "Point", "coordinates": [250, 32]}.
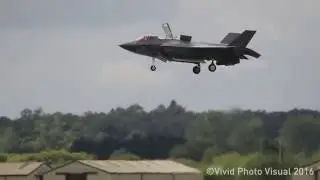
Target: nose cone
{"type": "Point", "coordinates": [124, 46]}
{"type": "Point", "coordinates": [128, 46]}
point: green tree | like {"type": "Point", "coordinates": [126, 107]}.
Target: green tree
{"type": "Point", "coordinates": [123, 154]}
{"type": "Point", "coordinates": [300, 132]}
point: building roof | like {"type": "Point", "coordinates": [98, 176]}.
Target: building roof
{"type": "Point", "coordinates": [18, 169]}
{"type": "Point", "coordinates": [139, 166]}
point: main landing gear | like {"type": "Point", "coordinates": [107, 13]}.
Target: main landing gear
{"type": "Point", "coordinates": [212, 68]}
{"type": "Point", "coordinates": [196, 69]}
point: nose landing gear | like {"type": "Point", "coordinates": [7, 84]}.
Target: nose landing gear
{"type": "Point", "coordinates": [153, 67]}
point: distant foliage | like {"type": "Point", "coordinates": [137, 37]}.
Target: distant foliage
{"type": "Point", "coordinates": [123, 154]}
{"type": "Point", "coordinates": [212, 138]}
{"type": "Point", "coordinates": [50, 157]}
{"type": "Point", "coordinates": [3, 157]}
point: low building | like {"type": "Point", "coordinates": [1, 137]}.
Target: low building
{"type": "Point", "coordinates": [123, 170]}
{"type": "Point", "coordinates": [306, 172]}
{"type": "Point", "coordinates": [22, 171]}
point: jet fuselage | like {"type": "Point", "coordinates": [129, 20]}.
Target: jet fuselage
{"type": "Point", "coordinates": [229, 51]}
{"type": "Point", "coordinates": [178, 50]}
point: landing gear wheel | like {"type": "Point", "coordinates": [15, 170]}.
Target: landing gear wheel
{"type": "Point", "coordinates": [153, 68]}
{"type": "Point", "coordinates": [212, 67]}
{"type": "Point", "coordinates": [196, 69]}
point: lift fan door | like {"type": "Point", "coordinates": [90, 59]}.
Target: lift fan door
{"type": "Point", "coordinates": [185, 38]}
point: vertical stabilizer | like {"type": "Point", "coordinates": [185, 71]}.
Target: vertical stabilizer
{"type": "Point", "coordinates": [243, 39]}
{"type": "Point", "coordinates": [229, 38]}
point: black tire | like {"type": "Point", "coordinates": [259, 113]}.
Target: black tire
{"type": "Point", "coordinates": [212, 67]}
{"type": "Point", "coordinates": [196, 69]}
{"type": "Point", "coordinates": [153, 68]}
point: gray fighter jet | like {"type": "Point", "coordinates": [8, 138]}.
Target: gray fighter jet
{"type": "Point", "coordinates": [229, 51]}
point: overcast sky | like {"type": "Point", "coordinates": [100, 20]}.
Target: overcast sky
{"type": "Point", "coordinates": [64, 55]}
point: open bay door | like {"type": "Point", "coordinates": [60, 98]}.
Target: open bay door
{"type": "Point", "coordinates": [167, 31]}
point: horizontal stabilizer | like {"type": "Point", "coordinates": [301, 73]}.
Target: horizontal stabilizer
{"type": "Point", "coordinates": [229, 38]}
{"type": "Point", "coordinates": [251, 53]}
{"type": "Point", "coordinates": [243, 57]}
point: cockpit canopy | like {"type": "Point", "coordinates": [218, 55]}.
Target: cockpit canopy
{"type": "Point", "coordinates": [146, 37]}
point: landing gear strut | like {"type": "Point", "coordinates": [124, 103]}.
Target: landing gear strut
{"type": "Point", "coordinates": [196, 69]}
{"type": "Point", "coordinates": [212, 67]}
{"type": "Point", "coordinates": [153, 67]}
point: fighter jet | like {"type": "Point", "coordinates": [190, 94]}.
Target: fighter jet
{"type": "Point", "coordinates": [231, 49]}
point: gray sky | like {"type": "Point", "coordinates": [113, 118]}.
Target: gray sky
{"type": "Point", "coordinates": [64, 55]}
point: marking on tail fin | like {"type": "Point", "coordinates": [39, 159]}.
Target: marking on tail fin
{"type": "Point", "coordinates": [243, 39]}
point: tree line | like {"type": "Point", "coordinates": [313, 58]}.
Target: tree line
{"type": "Point", "coordinates": [165, 132]}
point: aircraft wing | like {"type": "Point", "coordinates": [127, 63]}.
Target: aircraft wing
{"type": "Point", "coordinates": [167, 30]}
{"type": "Point", "coordinates": [195, 45]}
{"type": "Point", "coordinates": [162, 58]}
{"type": "Point", "coordinates": [207, 45]}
